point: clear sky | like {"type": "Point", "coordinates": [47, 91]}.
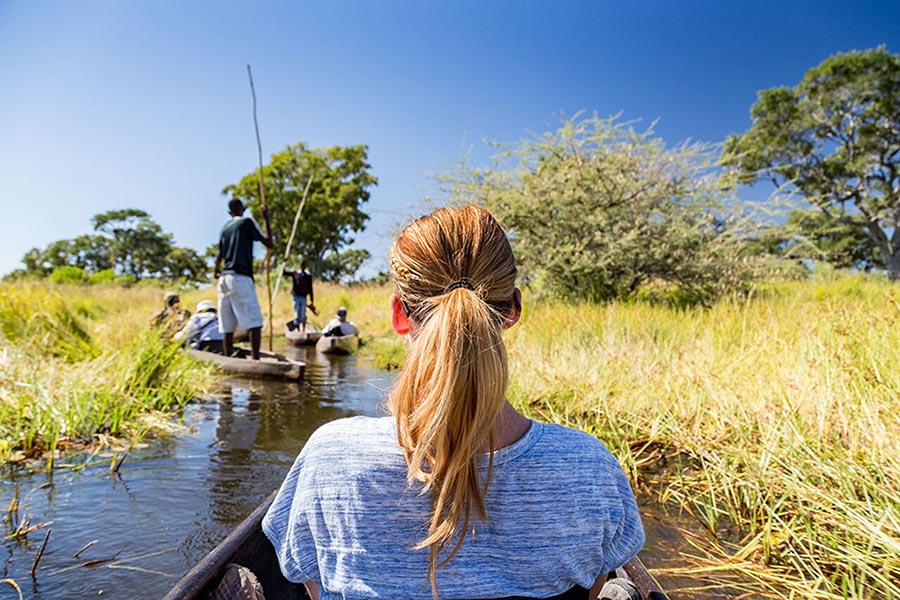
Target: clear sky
{"type": "Point", "coordinates": [146, 104]}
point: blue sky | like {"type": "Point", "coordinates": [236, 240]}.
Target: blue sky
{"type": "Point", "coordinates": [146, 104]}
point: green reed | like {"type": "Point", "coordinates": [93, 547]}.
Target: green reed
{"type": "Point", "coordinates": [81, 364]}
{"type": "Point", "coordinates": [774, 420]}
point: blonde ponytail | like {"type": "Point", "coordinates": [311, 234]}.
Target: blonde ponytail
{"type": "Point", "coordinates": [455, 275]}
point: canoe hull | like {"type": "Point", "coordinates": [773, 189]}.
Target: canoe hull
{"type": "Point", "coordinates": [270, 365]}
{"type": "Point", "coordinates": [338, 344]}
{"type": "Point", "coordinates": [309, 337]}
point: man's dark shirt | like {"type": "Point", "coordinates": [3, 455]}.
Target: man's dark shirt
{"type": "Point", "coordinates": [236, 245]}
{"type": "Point", "coordinates": [302, 283]}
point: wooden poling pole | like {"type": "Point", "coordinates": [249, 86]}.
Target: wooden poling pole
{"type": "Point", "coordinates": [263, 207]}
{"type": "Point", "coordinates": [287, 248]}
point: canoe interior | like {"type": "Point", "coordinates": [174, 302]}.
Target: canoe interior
{"type": "Point", "coordinates": [248, 546]}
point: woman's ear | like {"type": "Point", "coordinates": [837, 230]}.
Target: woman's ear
{"type": "Point", "coordinates": [515, 310]}
{"type": "Point", "coordinates": [399, 320]}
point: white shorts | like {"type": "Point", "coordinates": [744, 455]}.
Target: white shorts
{"type": "Point", "coordinates": [238, 305]}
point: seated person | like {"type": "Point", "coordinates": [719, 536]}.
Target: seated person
{"type": "Point", "coordinates": [339, 325]}
{"type": "Point", "coordinates": [202, 329]}
{"type": "Point", "coordinates": [171, 317]}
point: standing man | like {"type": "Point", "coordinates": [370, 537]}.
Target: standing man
{"type": "Point", "coordinates": [238, 305]}
{"type": "Point", "coordinates": [301, 287]}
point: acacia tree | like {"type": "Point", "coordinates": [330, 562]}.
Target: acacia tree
{"type": "Point", "coordinates": [333, 210]}
{"type": "Point", "coordinates": [598, 210]}
{"type": "Point", "coordinates": [834, 138]}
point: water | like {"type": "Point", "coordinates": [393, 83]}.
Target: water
{"type": "Point", "coordinates": [173, 501]}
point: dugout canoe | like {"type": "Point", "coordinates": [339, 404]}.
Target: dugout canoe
{"type": "Point", "coordinates": [269, 365]}
{"type": "Point", "coordinates": [248, 546]}
{"type": "Point", "coordinates": [337, 344]}
{"type": "Point", "coordinates": [307, 337]}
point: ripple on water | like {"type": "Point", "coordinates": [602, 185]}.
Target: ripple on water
{"type": "Point", "coordinates": [176, 499]}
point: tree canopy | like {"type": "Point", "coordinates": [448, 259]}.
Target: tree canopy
{"type": "Point", "coordinates": [834, 139]}
{"type": "Point", "coordinates": [811, 234]}
{"type": "Point", "coordinates": [333, 211]}
{"type": "Point", "coordinates": [599, 210]}
{"type": "Point", "coordinates": [127, 241]}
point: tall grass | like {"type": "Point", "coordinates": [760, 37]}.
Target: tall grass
{"type": "Point", "coordinates": [775, 421]}
{"type": "Point", "coordinates": [80, 364]}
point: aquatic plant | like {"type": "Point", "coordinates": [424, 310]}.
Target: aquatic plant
{"type": "Point", "coordinates": [77, 363]}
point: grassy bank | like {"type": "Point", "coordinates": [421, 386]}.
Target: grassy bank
{"type": "Point", "coordinates": [79, 367]}
{"type": "Point", "coordinates": [775, 421]}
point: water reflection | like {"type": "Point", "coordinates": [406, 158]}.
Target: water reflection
{"type": "Point", "coordinates": [172, 502]}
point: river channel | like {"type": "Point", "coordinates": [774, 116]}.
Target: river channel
{"type": "Point", "coordinates": [173, 501]}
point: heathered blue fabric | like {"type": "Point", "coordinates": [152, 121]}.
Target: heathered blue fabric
{"type": "Point", "coordinates": [560, 513]}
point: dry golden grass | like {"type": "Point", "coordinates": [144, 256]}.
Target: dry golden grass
{"type": "Point", "coordinates": [775, 421]}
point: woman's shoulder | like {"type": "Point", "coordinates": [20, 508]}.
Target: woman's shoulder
{"type": "Point", "coordinates": [560, 446]}
{"type": "Point", "coordinates": [573, 440]}
{"type": "Point", "coordinates": [352, 433]}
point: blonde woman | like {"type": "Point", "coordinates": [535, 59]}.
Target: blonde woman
{"type": "Point", "coordinates": [455, 495]}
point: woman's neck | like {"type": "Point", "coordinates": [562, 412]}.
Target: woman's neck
{"type": "Point", "coordinates": [510, 428]}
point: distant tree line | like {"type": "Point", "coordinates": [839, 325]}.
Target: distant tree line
{"type": "Point", "coordinates": [602, 210]}
{"type": "Point", "coordinates": [126, 244]}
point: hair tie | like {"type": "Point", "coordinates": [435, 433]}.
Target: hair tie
{"type": "Point", "coordinates": [461, 283]}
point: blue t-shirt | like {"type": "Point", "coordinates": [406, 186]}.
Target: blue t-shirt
{"type": "Point", "coordinates": [560, 514]}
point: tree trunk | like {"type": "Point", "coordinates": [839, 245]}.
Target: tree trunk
{"type": "Point", "coordinates": [892, 264]}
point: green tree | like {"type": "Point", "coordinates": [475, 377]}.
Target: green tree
{"type": "Point", "coordinates": [138, 245]}
{"type": "Point", "coordinates": [342, 266]}
{"type": "Point", "coordinates": [598, 210]}
{"type": "Point", "coordinates": [128, 241]}
{"type": "Point", "coordinates": [88, 252]}
{"type": "Point", "coordinates": [185, 263]}
{"type": "Point", "coordinates": [813, 234]}
{"type": "Point", "coordinates": [834, 139]}
{"type": "Point", "coordinates": [333, 211]}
